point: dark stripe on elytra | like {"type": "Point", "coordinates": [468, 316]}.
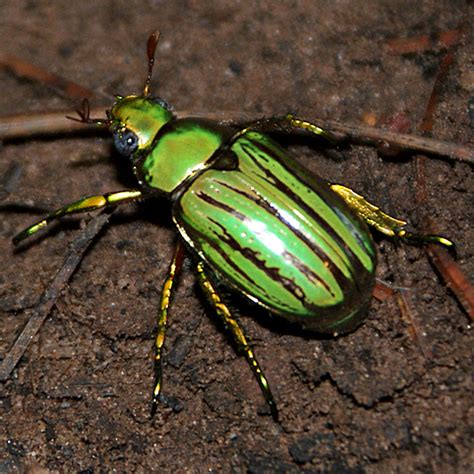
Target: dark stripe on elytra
{"type": "Point", "coordinates": [228, 239]}
{"type": "Point", "coordinates": [220, 205]}
{"type": "Point", "coordinates": [229, 261]}
{"type": "Point", "coordinates": [370, 250]}
{"type": "Point", "coordinates": [271, 272]}
{"type": "Point", "coordinates": [198, 236]}
{"type": "Point", "coordinates": [304, 269]}
{"type": "Point", "coordinates": [307, 272]}
{"type": "Point", "coordinates": [359, 282]}
{"type": "Point", "coordinates": [356, 266]}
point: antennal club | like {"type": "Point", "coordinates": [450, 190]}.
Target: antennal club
{"type": "Point", "coordinates": [150, 50]}
{"type": "Point", "coordinates": [84, 115]}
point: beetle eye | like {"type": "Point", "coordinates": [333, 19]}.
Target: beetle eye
{"type": "Point", "coordinates": [126, 142]}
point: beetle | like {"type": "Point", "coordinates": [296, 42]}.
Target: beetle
{"type": "Point", "coordinates": [251, 217]}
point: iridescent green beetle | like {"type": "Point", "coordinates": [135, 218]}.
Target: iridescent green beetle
{"type": "Point", "coordinates": [251, 216]}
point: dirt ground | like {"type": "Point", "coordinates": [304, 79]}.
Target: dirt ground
{"type": "Point", "coordinates": [377, 400]}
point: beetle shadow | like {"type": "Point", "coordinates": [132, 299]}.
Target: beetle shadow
{"type": "Point", "coordinates": [46, 137]}
{"type": "Point", "coordinates": [122, 165]}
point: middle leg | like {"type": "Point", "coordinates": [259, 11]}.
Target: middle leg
{"type": "Point", "coordinates": [239, 337]}
{"type": "Point", "coordinates": [166, 293]}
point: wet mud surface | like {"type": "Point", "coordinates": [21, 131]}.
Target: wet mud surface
{"type": "Point", "coordinates": [376, 400]}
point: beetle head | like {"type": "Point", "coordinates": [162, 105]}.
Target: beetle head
{"type": "Point", "coordinates": [135, 120]}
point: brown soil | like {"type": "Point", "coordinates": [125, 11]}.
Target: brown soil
{"type": "Point", "coordinates": [377, 400]}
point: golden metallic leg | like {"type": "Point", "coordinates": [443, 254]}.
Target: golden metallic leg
{"type": "Point", "coordinates": [308, 126]}
{"type": "Point", "coordinates": [384, 223]}
{"type": "Point", "coordinates": [91, 203]}
{"type": "Point", "coordinates": [280, 124]}
{"type": "Point", "coordinates": [239, 337]}
{"type": "Point", "coordinates": [166, 293]}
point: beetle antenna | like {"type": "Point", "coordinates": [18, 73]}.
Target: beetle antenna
{"type": "Point", "coordinates": [150, 50]}
{"type": "Point", "coordinates": [84, 115]}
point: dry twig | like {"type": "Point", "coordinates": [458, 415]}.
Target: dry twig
{"type": "Point", "coordinates": [26, 125]}
{"type": "Point", "coordinates": [48, 298]}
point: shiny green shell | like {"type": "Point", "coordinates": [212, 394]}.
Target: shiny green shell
{"type": "Point", "coordinates": [261, 223]}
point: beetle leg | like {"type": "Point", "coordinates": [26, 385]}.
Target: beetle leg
{"type": "Point", "coordinates": [166, 293]}
{"type": "Point", "coordinates": [308, 126]}
{"type": "Point", "coordinates": [90, 203]}
{"type": "Point", "coordinates": [239, 337]}
{"type": "Point", "coordinates": [281, 124]}
{"type": "Point", "coordinates": [384, 223]}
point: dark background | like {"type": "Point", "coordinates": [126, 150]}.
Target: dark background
{"type": "Point", "coordinates": [375, 400]}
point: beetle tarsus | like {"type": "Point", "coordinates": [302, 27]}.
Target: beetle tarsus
{"type": "Point", "coordinates": [274, 411]}
{"type": "Point", "coordinates": [154, 407]}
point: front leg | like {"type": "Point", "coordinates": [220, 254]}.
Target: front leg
{"type": "Point", "coordinates": [90, 203]}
